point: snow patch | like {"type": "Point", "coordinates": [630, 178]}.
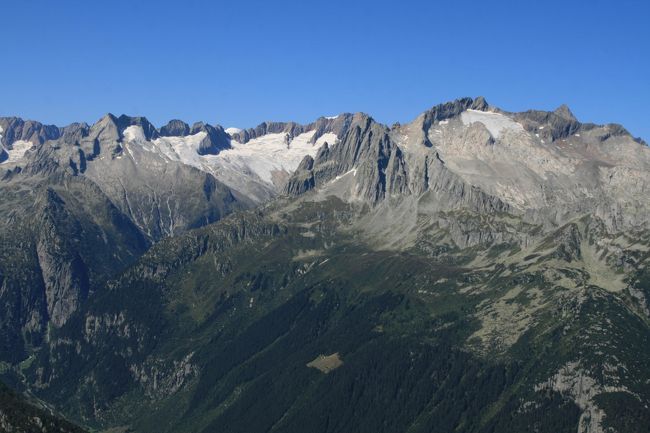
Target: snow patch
{"type": "Point", "coordinates": [353, 171]}
{"type": "Point", "coordinates": [496, 123]}
{"type": "Point", "coordinates": [17, 152]}
{"type": "Point", "coordinates": [182, 149]}
{"type": "Point", "coordinates": [271, 153]}
{"type": "Point", "coordinates": [233, 130]}
{"type": "Point", "coordinates": [134, 133]}
{"type": "Point", "coordinates": [257, 168]}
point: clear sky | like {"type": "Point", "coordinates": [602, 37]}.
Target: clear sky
{"type": "Point", "coordinates": [238, 63]}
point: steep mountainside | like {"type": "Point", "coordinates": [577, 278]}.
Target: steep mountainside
{"type": "Point", "coordinates": [19, 416]}
{"type": "Point", "coordinates": [472, 271]}
{"type": "Point", "coordinates": [77, 207]}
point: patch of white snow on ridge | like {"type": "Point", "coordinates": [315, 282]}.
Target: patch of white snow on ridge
{"type": "Point", "coordinates": [134, 133]}
{"type": "Point", "coordinates": [17, 152]}
{"type": "Point", "coordinates": [262, 156]}
{"type": "Point", "coordinates": [496, 123]}
{"type": "Point", "coordinates": [232, 130]}
{"type": "Point", "coordinates": [332, 117]}
{"type": "Point", "coordinates": [182, 149]}
{"type": "Point", "coordinates": [259, 165]}
{"type": "Point", "coordinates": [340, 176]}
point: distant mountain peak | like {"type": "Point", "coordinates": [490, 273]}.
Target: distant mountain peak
{"type": "Point", "coordinates": [175, 128]}
{"type": "Point", "coordinates": [564, 112]}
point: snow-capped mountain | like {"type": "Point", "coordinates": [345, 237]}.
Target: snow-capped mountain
{"type": "Point", "coordinates": [546, 165]}
{"type": "Point", "coordinates": [184, 270]}
{"type": "Point", "coordinates": [258, 168]}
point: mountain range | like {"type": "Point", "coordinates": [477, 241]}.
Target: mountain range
{"type": "Point", "coordinates": [474, 270]}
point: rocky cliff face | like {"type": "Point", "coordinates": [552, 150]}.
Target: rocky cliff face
{"type": "Point", "coordinates": [337, 125]}
{"type": "Point", "coordinates": [64, 273]}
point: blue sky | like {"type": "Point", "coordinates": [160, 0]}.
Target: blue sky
{"type": "Point", "coordinates": [239, 63]}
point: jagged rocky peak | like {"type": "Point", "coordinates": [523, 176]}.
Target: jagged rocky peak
{"type": "Point", "coordinates": [303, 178]}
{"type": "Point", "coordinates": [550, 125]}
{"type": "Point", "coordinates": [215, 141]}
{"type": "Point", "coordinates": [364, 144]}
{"type": "Point", "coordinates": [150, 131]}
{"type": "Point", "coordinates": [470, 153]}
{"type": "Point", "coordinates": [16, 129]}
{"type": "Point", "coordinates": [104, 134]}
{"type": "Point", "coordinates": [337, 125]}
{"type": "Point", "coordinates": [175, 128]}
{"type": "Point", "coordinates": [561, 123]}
{"type": "Point", "coordinates": [565, 112]}
{"type": "Point", "coordinates": [111, 128]}
{"type": "Point", "coordinates": [74, 133]}
{"type": "Point", "coordinates": [106, 128]}
{"type": "Point", "coordinates": [292, 129]}
{"type": "Point", "coordinates": [454, 108]}
{"type": "Point", "coordinates": [109, 131]}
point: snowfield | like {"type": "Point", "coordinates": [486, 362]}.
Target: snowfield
{"type": "Point", "coordinates": [273, 153]}
{"type": "Point", "coordinates": [257, 168]}
{"type": "Point", "coordinates": [494, 122]}
{"type": "Point", "coordinates": [17, 151]}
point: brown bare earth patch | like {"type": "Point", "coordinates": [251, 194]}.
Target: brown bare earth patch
{"type": "Point", "coordinates": [326, 363]}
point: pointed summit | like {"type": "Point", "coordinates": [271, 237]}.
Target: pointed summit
{"type": "Point", "coordinates": [215, 141]}
{"type": "Point", "coordinates": [564, 112]}
{"type": "Point", "coordinates": [175, 128]}
{"type": "Point", "coordinates": [150, 131]}
{"type": "Point", "coordinates": [480, 104]}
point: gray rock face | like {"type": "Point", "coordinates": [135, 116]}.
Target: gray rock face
{"type": "Point", "coordinates": [81, 205]}
{"type": "Point", "coordinates": [452, 109]}
{"type": "Point", "coordinates": [564, 112]}
{"type": "Point", "coordinates": [561, 123]}
{"type": "Point", "coordinates": [381, 168]}
{"type": "Point", "coordinates": [64, 273]}
{"type": "Point", "coordinates": [74, 133]}
{"type": "Point", "coordinates": [215, 141]}
{"type": "Point", "coordinates": [15, 129]}
{"type": "Point", "coordinates": [337, 125]}
{"type": "Point", "coordinates": [175, 128]}
{"type": "Point", "coordinates": [303, 178]}
{"type": "Point", "coordinates": [150, 131]}
{"type": "Point", "coordinates": [546, 166]}
{"type": "Point", "coordinates": [365, 144]}
{"type": "Point", "coordinates": [290, 128]}
{"type": "Point", "coordinates": [103, 136]}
